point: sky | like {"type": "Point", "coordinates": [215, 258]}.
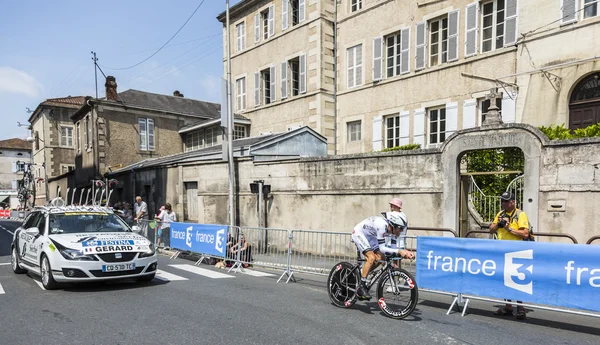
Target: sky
{"type": "Point", "coordinates": [45, 51]}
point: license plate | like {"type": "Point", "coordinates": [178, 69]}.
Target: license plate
{"type": "Point", "coordinates": [118, 267]}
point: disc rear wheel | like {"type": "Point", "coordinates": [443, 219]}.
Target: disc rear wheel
{"type": "Point", "coordinates": [342, 284]}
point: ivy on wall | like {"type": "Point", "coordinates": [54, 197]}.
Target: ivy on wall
{"type": "Point", "coordinates": [560, 132]}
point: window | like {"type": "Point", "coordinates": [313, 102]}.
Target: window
{"type": "Point", "coordinates": [194, 140]}
{"type": "Point", "coordinates": [590, 8]}
{"type": "Point", "coordinates": [354, 66]}
{"type": "Point", "coordinates": [66, 168]}
{"type": "Point", "coordinates": [292, 11]}
{"type": "Point", "coordinates": [240, 93]}
{"type": "Point", "coordinates": [66, 136]}
{"type": "Point", "coordinates": [392, 54]}
{"type": "Point", "coordinates": [392, 133]}
{"type": "Point", "coordinates": [240, 34]}
{"type": "Point", "coordinates": [438, 38]}
{"type": "Point", "coordinates": [239, 132]}
{"type": "Point", "coordinates": [356, 5]}
{"type": "Point", "coordinates": [85, 131]}
{"type": "Point", "coordinates": [78, 137]}
{"type": "Point", "coordinates": [437, 125]}
{"type": "Point", "coordinates": [484, 106]}
{"type": "Point", "coordinates": [267, 23]}
{"type": "Point", "coordinates": [294, 65]}
{"type": "Point", "coordinates": [492, 25]}
{"type": "Point", "coordinates": [210, 136]}
{"type": "Point", "coordinates": [268, 85]}
{"type": "Point", "coordinates": [293, 77]}
{"type": "Point", "coordinates": [354, 131]}
{"type": "Point", "coordinates": [146, 134]}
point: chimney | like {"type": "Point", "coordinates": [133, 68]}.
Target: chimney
{"type": "Point", "coordinates": [111, 88]}
{"type": "Point", "coordinates": [176, 93]}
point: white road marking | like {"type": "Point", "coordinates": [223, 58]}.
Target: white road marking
{"type": "Point", "coordinates": [255, 273]}
{"type": "Point", "coordinates": [1, 290]}
{"type": "Point", "coordinates": [160, 274]}
{"type": "Point", "coordinates": [202, 271]}
{"type": "Point", "coordinates": [39, 283]}
{"type": "Point", "coordinates": [4, 263]}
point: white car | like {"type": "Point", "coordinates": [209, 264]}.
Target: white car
{"type": "Point", "coordinates": [80, 244]}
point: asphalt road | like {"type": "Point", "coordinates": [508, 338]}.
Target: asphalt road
{"type": "Point", "coordinates": [186, 307]}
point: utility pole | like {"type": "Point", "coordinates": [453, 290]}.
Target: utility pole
{"type": "Point", "coordinates": [95, 59]}
{"type": "Point", "coordinates": [229, 122]}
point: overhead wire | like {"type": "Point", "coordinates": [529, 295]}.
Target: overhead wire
{"type": "Point", "coordinates": [159, 49]}
{"type": "Point", "coordinates": [177, 44]}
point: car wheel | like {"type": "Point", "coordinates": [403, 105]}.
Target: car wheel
{"type": "Point", "coordinates": [14, 262]}
{"type": "Point", "coordinates": [146, 278]}
{"type": "Point", "coordinates": [47, 278]}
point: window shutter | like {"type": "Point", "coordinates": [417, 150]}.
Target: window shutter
{"type": "Point", "coordinates": [508, 108]}
{"type": "Point", "coordinates": [421, 43]}
{"type": "Point", "coordinates": [284, 14]}
{"type": "Point", "coordinates": [350, 74]}
{"type": "Point", "coordinates": [303, 73]}
{"type": "Point", "coordinates": [14, 167]}
{"type": "Point", "coordinates": [257, 28]}
{"type": "Point", "coordinates": [142, 134]}
{"type": "Point", "coordinates": [569, 11]}
{"type": "Point", "coordinates": [404, 128]}
{"type": "Point", "coordinates": [405, 51]}
{"type": "Point", "coordinates": [284, 69]}
{"type": "Point", "coordinates": [451, 118]}
{"type": "Point", "coordinates": [301, 10]}
{"type": "Point", "coordinates": [453, 19]}
{"type": "Point", "coordinates": [150, 135]}
{"type": "Point", "coordinates": [469, 113]}
{"type": "Point", "coordinates": [510, 23]}
{"type": "Point", "coordinates": [377, 58]}
{"type": "Point", "coordinates": [256, 89]}
{"type": "Point", "coordinates": [358, 66]}
{"type": "Point", "coordinates": [377, 133]}
{"type": "Point", "coordinates": [419, 127]}
{"type": "Point", "coordinates": [273, 82]}
{"type": "Point", "coordinates": [271, 20]}
{"type": "Point", "coordinates": [243, 29]}
{"type": "Point", "coordinates": [471, 25]}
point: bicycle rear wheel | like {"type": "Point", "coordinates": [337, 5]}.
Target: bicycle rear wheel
{"type": "Point", "coordinates": [342, 284]}
{"type": "Point", "coordinates": [398, 298]}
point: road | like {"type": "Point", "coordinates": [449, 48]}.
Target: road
{"type": "Point", "coordinates": [191, 305]}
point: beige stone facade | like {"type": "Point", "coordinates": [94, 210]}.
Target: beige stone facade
{"type": "Point", "coordinates": [416, 72]}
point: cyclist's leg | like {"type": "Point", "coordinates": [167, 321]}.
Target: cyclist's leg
{"type": "Point", "coordinates": [364, 247]}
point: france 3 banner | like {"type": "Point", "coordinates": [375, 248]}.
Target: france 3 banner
{"type": "Point", "coordinates": [199, 238]}
{"type": "Point", "coordinates": [562, 275]}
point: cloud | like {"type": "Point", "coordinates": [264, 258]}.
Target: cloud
{"type": "Point", "coordinates": [15, 81]}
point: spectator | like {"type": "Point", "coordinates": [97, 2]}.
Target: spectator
{"type": "Point", "coordinates": [510, 224]}
{"type": "Point", "coordinates": [166, 216]}
{"type": "Point", "coordinates": [243, 249]}
{"type": "Point", "coordinates": [396, 205]}
{"type": "Point", "coordinates": [141, 215]}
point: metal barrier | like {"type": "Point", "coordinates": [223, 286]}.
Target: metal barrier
{"type": "Point", "coordinates": [536, 234]}
{"type": "Point", "coordinates": [592, 239]}
{"type": "Point", "coordinates": [442, 230]}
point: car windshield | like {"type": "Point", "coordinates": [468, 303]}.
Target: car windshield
{"type": "Point", "coordinates": [79, 222]}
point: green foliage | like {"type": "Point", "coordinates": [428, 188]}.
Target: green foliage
{"type": "Point", "coordinates": [555, 132]}
{"type": "Point", "coordinates": [496, 160]}
{"type": "Point", "coordinates": [404, 147]}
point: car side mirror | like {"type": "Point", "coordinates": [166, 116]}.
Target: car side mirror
{"type": "Point", "coordinates": [136, 228]}
{"type": "Point", "coordinates": [32, 232]}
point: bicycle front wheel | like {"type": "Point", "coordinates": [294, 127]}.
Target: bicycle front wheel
{"type": "Point", "coordinates": [397, 294]}
{"type": "Point", "coordinates": [342, 284]}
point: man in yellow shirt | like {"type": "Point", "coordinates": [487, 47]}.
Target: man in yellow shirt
{"type": "Point", "coordinates": [510, 224]}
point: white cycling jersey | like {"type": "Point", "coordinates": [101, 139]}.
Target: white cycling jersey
{"type": "Point", "coordinates": [371, 234]}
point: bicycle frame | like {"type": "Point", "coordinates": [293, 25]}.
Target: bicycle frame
{"type": "Point", "coordinates": [387, 268]}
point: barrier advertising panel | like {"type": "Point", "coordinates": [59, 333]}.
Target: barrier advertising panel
{"type": "Point", "coordinates": [199, 238]}
{"type": "Point", "coordinates": [563, 275]}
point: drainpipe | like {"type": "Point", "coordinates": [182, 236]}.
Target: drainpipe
{"type": "Point", "coordinates": [335, 79]}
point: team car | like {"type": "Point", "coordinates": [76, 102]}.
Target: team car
{"type": "Point", "coordinates": [71, 244]}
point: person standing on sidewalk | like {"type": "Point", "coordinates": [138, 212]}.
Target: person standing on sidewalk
{"type": "Point", "coordinates": [510, 224]}
{"type": "Point", "coordinates": [141, 214]}
{"type": "Point", "coordinates": [166, 216]}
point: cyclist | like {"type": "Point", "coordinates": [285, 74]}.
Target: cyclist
{"type": "Point", "coordinates": [373, 237]}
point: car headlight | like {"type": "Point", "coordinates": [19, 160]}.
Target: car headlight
{"type": "Point", "coordinates": [151, 250]}
{"type": "Point", "coordinates": [73, 254]}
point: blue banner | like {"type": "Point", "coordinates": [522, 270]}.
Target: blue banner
{"type": "Point", "coordinates": [199, 238]}
{"type": "Point", "coordinates": [562, 275]}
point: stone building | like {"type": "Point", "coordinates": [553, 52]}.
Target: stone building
{"type": "Point", "coordinates": [13, 154]}
{"type": "Point", "coordinates": [412, 71]}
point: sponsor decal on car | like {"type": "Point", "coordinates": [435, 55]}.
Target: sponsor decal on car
{"type": "Point", "coordinates": [102, 243]}
{"type": "Point", "coordinates": [108, 249]}
{"type": "Point", "coordinates": [52, 247]}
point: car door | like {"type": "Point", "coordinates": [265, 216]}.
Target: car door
{"type": "Point", "coordinates": [26, 240]}
{"type": "Point", "coordinates": [35, 247]}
